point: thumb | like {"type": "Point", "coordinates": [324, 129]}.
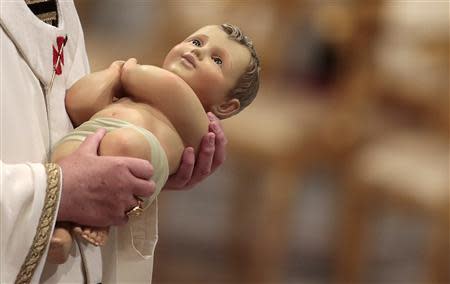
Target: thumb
{"type": "Point", "coordinates": [91, 143]}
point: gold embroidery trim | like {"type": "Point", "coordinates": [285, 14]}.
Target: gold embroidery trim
{"type": "Point", "coordinates": [42, 236]}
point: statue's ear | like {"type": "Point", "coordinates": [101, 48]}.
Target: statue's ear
{"type": "Point", "coordinates": [227, 109]}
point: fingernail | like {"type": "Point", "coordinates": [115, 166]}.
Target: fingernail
{"type": "Point", "coordinates": [210, 116]}
{"type": "Point", "coordinates": [214, 126]}
{"type": "Point", "coordinates": [211, 140]}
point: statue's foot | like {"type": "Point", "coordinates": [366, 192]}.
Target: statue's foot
{"type": "Point", "coordinates": [94, 235]}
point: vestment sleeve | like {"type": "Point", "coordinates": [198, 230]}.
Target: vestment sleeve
{"type": "Point", "coordinates": [29, 199]}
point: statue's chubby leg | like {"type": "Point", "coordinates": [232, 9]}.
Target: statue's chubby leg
{"type": "Point", "coordinates": [118, 142]}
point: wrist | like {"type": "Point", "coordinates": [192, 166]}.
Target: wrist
{"type": "Point", "coordinates": [62, 214]}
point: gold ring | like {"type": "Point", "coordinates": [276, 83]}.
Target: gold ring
{"type": "Point", "coordinates": [136, 210]}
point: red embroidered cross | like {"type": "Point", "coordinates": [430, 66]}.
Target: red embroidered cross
{"type": "Point", "coordinates": [58, 54]}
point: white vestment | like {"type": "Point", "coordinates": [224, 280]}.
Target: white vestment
{"type": "Point", "coordinates": [31, 121]}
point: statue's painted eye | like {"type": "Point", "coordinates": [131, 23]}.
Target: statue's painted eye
{"type": "Point", "coordinates": [196, 42]}
{"type": "Point", "coordinates": [217, 60]}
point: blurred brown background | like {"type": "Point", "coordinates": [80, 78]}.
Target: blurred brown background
{"type": "Point", "coordinates": [338, 172]}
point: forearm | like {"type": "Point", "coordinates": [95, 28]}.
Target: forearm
{"type": "Point", "coordinates": [92, 93]}
{"type": "Point", "coordinates": [168, 93]}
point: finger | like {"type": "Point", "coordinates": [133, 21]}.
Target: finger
{"type": "Point", "coordinates": [184, 172]}
{"type": "Point", "coordinates": [204, 161]}
{"type": "Point", "coordinates": [132, 203]}
{"type": "Point", "coordinates": [138, 167]}
{"type": "Point", "coordinates": [91, 143]}
{"type": "Point", "coordinates": [220, 145]}
{"type": "Point", "coordinates": [212, 117]}
{"type": "Point", "coordinates": [142, 188]}
{"type": "Point", "coordinates": [131, 62]}
{"type": "Point", "coordinates": [117, 63]}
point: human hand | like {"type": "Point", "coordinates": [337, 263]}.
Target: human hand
{"type": "Point", "coordinates": [98, 190]}
{"type": "Point", "coordinates": [211, 155]}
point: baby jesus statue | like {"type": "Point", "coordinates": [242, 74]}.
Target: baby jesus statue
{"type": "Point", "coordinates": [154, 113]}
